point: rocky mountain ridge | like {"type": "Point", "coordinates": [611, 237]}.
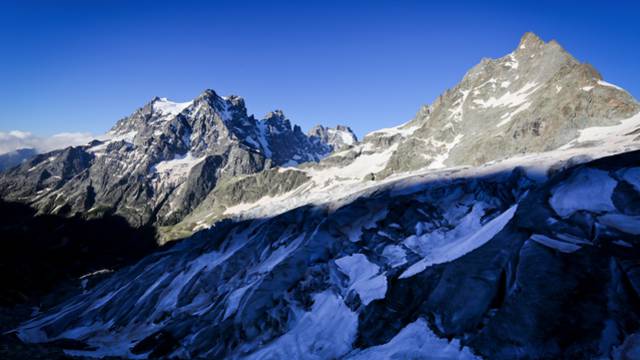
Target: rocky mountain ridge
{"type": "Point", "coordinates": [158, 164]}
{"type": "Point", "coordinates": [535, 99]}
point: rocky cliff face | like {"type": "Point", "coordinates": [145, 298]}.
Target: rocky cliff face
{"type": "Point", "coordinates": [339, 138]}
{"type": "Point", "coordinates": [158, 164]}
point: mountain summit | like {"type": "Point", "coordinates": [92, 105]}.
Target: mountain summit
{"type": "Point", "coordinates": [535, 99]}
{"type": "Point", "coordinates": [338, 138]}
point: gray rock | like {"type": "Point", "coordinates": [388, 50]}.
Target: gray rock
{"type": "Point", "coordinates": [339, 138]}
{"type": "Point", "coordinates": [534, 99]}
{"type": "Point", "coordinates": [160, 163]}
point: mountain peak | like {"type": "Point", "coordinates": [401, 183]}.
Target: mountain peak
{"type": "Point", "coordinates": [510, 105]}
{"type": "Point", "coordinates": [337, 137]}
{"type": "Point", "coordinates": [208, 95]}
{"type": "Point", "coordinates": [344, 128]}
{"type": "Point", "coordinates": [530, 40]}
{"type": "Point", "coordinates": [275, 113]}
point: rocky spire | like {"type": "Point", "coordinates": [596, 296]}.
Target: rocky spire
{"type": "Point", "coordinates": [530, 40]}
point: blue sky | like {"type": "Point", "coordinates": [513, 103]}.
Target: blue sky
{"type": "Point", "coordinates": [79, 66]}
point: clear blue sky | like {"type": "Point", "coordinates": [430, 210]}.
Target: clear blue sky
{"type": "Point", "coordinates": [81, 65]}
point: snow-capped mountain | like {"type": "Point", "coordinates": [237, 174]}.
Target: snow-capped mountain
{"type": "Point", "coordinates": [158, 164]}
{"type": "Point", "coordinates": [535, 99]}
{"type": "Point", "coordinates": [500, 223]}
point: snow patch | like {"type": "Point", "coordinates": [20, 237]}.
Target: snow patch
{"type": "Point", "coordinates": [403, 130]}
{"type": "Point", "coordinates": [614, 136]}
{"type": "Point", "coordinates": [127, 136]}
{"type": "Point", "coordinates": [507, 117]}
{"type": "Point", "coordinates": [562, 246]}
{"type": "Point", "coordinates": [363, 277]}
{"type": "Point", "coordinates": [166, 107]}
{"type": "Point", "coordinates": [177, 169]}
{"type": "Point", "coordinates": [457, 113]}
{"type": "Point", "coordinates": [438, 160]}
{"type": "Point", "coordinates": [356, 170]}
{"type": "Point", "coordinates": [512, 62]}
{"type": "Point", "coordinates": [345, 136]}
{"type": "Point", "coordinates": [604, 83]}
{"type": "Point", "coordinates": [509, 99]}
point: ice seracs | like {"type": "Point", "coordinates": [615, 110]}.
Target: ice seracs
{"type": "Point", "coordinates": [467, 237]}
{"type": "Point", "coordinates": [588, 189]}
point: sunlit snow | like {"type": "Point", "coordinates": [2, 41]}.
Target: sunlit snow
{"type": "Point", "coordinates": [164, 106]}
